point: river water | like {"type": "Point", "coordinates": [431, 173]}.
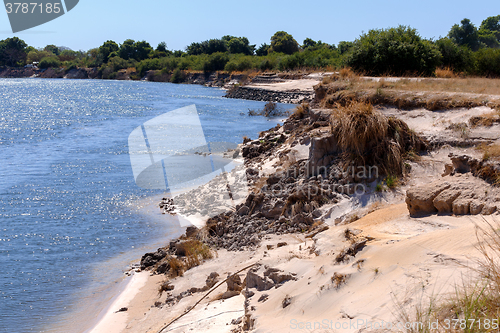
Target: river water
{"type": "Point", "coordinates": [71, 215]}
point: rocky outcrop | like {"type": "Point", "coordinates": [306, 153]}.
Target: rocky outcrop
{"type": "Point", "coordinates": [267, 278]}
{"type": "Point", "coordinates": [258, 94]}
{"type": "Point", "coordinates": [453, 195]}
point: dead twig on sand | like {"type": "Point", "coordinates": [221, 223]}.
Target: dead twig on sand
{"type": "Point", "coordinates": [204, 296]}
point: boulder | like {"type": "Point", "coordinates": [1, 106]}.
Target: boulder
{"type": "Point", "coordinates": [444, 200]}
{"type": "Point", "coordinates": [420, 199]}
{"type": "Point", "coordinates": [461, 206]}
{"type": "Point", "coordinates": [476, 207]}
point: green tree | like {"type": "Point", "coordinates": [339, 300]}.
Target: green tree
{"type": "Point", "coordinates": [237, 45]}
{"type": "Point", "coordinates": [489, 31]}
{"type": "Point", "coordinates": [127, 49]}
{"type": "Point", "coordinates": [36, 56]}
{"type": "Point", "coordinates": [13, 52]}
{"type": "Point", "coordinates": [50, 62]}
{"type": "Point", "coordinates": [396, 51]}
{"type": "Point", "coordinates": [465, 34]}
{"type": "Point", "coordinates": [283, 42]}
{"type": "Point", "coordinates": [52, 49]}
{"type": "Point", "coordinates": [262, 50]}
{"type": "Point", "coordinates": [344, 46]}
{"type": "Point", "coordinates": [162, 47]}
{"type": "Point", "coordinates": [106, 49]}
{"type": "Point", "coordinates": [459, 58]}
{"type": "Point", "coordinates": [142, 50]}
{"type": "Point", "coordinates": [309, 43]}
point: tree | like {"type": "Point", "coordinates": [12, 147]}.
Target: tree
{"type": "Point", "coordinates": [106, 49]}
{"type": "Point", "coordinates": [465, 34]}
{"type": "Point", "coordinates": [459, 58]}
{"type": "Point", "coordinates": [239, 45]}
{"type": "Point", "coordinates": [489, 31]}
{"type": "Point", "coordinates": [127, 49]}
{"type": "Point", "coordinates": [13, 52]}
{"type": "Point", "coordinates": [396, 51]}
{"type": "Point", "coordinates": [162, 47]}
{"type": "Point", "coordinates": [308, 43]}
{"type": "Point", "coordinates": [52, 49]}
{"type": "Point", "coordinates": [142, 50]}
{"type": "Point", "coordinates": [36, 56]}
{"type": "Point", "coordinates": [283, 42]}
{"type": "Point", "coordinates": [262, 50]}
{"type": "Point", "coordinates": [344, 46]}
{"type": "Point", "coordinates": [207, 47]}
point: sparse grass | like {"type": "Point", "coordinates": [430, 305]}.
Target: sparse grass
{"type": "Point", "coordinates": [347, 73]}
{"type": "Point", "coordinates": [392, 181]}
{"type": "Point", "coordinates": [379, 187]}
{"type": "Point", "coordinates": [475, 303]}
{"type": "Point", "coordinates": [490, 152]}
{"type": "Point", "coordinates": [410, 93]}
{"type": "Point", "coordinates": [461, 128]}
{"type": "Point", "coordinates": [339, 279]}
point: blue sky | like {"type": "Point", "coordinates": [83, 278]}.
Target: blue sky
{"type": "Point", "coordinates": [179, 23]}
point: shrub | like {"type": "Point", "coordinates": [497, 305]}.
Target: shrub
{"type": "Point", "coordinates": [215, 62]}
{"type": "Point", "coordinates": [397, 51]}
{"type": "Point", "coordinates": [488, 62]}
{"type": "Point", "coordinates": [49, 62]}
{"type": "Point", "coordinates": [178, 76]}
{"type": "Point", "coordinates": [367, 138]}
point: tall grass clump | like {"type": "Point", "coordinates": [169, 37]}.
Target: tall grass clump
{"type": "Point", "coordinates": [367, 138]}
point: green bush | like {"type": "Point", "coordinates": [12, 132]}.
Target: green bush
{"type": "Point", "coordinates": [396, 51]}
{"type": "Point", "coordinates": [178, 76]}
{"type": "Point", "coordinates": [459, 58]}
{"type": "Point", "coordinates": [488, 62]}
{"type": "Point", "coordinates": [215, 62]}
{"type": "Point", "coordinates": [50, 62]}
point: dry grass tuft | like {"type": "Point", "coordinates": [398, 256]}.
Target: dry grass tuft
{"type": "Point", "coordinates": [339, 279]}
{"type": "Point", "coordinates": [301, 110]}
{"type": "Point", "coordinates": [446, 73]}
{"type": "Point", "coordinates": [490, 152]}
{"type": "Point", "coordinates": [347, 73]}
{"type": "Point", "coordinates": [367, 138]}
{"type": "Point", "coordinates": [487, 119]}
{"type": "Point", "coordinates": [177, 267]}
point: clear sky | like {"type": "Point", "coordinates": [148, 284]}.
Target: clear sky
{"type": "Point", "coordinates": [179, 23]}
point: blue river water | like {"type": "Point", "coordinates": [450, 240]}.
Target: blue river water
{"type": "Point", "coordinates": [71, 215]}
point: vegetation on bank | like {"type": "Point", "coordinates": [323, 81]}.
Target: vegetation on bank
{"type": "Point", "coordinates": [467, 50]}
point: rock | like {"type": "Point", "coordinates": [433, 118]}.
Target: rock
{"type": "Point", "coordinates": [488, 209]}
{"type": "Point", "coordinates": [476, 207]}
{"type": "Point", "coordinates": [282, 244]}
{"type": "Point", "coordinates": [151, 259]}
{"type": "Point", "coordinates": [234, 284]}
{"type": "Point", "coordinates": [212, 279]}
{"type": "Point", "coordinates": [191, 232]}
{"type": "Point", "coordinates": [244, 210]}
{"type": "Point", "coordinates": [461, 206]}
{"type": "Point", "coordinates": [448, 170]}
{"type": "Point", "coordinates": [443, 201]}
{"type": "Point", "coordinates": [258, 282]}
{"type": "Point", "coordinates": [420, 199]}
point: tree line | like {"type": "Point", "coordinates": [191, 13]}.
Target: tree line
{"type": "Point", "coordinates": [401, 50]}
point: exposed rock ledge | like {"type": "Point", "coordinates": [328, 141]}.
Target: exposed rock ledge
{"type": "Point", "coordinates": [460, 192]}
{"type": "Point", "coordinates": [258, 94]}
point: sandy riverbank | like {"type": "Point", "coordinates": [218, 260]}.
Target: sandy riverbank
{"type": "Point", "coordinates": [363, 258]}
